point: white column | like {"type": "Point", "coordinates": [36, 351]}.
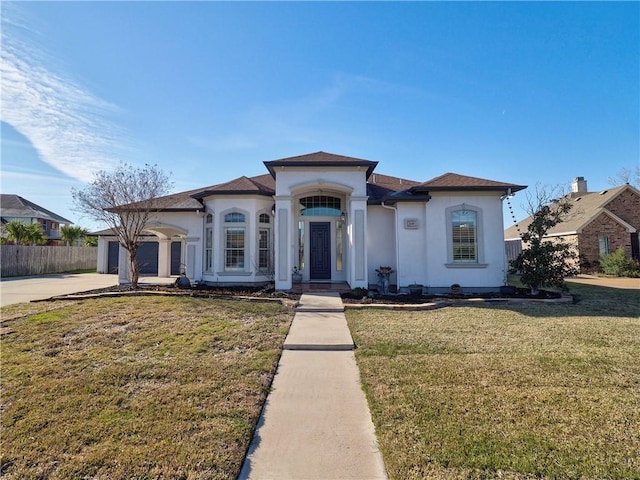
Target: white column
{"type": "Point", "coordinates": [164, 257]}
{"type": "Point", "coordinates": [358, 276]}
{"type": "Point", "coordinates": [123, 266]}
{"type": "Point", "coordinates": [284, 243]}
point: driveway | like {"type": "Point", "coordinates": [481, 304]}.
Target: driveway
{"type": "Point", "coordinates": [612, 282]}
{"type": "Point", "coordinates": [24, 289]}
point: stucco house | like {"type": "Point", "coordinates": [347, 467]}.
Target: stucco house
{"type": "Point", "coordinates": [333, 219]}
{"type": "Point", "coordinates": [597, 224]}
{"type": "Point", "coordinates": [15, 207]}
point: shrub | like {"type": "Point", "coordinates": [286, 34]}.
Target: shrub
{"type": "Point", "coordinates": [617, 263]}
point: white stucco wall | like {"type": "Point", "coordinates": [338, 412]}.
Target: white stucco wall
{"type": "Point", "coordinates": [251, 206]}
{"type": "Point", "coordinates": [413, 265]}
{"type": "Point", "coordinates": [292, 179]}
{"type": "Point", "coordinates": [438, 273]}
{"type": "Point", "coordinates": [381, 241]}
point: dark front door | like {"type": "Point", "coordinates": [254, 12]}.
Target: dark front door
{"type": "Point", "coordinates": [320, 251]}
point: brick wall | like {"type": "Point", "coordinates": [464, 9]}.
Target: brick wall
{"type": "Point", "coordinates": [603, 225]}
{"type": "Point", "coordinates": [627, 207]}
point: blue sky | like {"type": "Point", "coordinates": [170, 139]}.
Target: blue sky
{"type": "Point", "coordinates": [525, 93]}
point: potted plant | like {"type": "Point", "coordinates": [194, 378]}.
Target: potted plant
{"type": "Point", "coordinates": [415, 289]}
{"type": "Point", "coordinates": [296, 276]}
{"type": "Point", "coordinates": [456, 289]}
{"type": "Point", "coordinates": [383, 279]}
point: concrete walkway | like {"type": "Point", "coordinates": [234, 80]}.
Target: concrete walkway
{"type": "Point", "coordinates": [316, 422]}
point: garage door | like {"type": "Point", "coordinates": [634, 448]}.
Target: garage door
{"type": "Point", "coordinates": [147, 257]}
{"type": "Point", "coordinates": [114, 255]}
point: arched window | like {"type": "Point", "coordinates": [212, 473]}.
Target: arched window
{"type": "Point", "coordinates": [234, 217]}
{"type": "Point", "coordinates": [320, 205]}
{"type": "Point", "coordinates": [234, 242]}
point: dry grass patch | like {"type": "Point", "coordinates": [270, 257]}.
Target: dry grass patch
{"type": "Point", "coordinates": [528, 391]}
{"type": "Point", "coordinates": [135, 387]}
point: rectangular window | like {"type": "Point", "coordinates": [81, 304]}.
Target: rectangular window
{"type": "Point", "coordinates": [208, 249]}
{"type": "Point", "coordinates": [603, 245]}
{"type": "Point", "coordinates": [464, 236]}
{"type": "Point", "coordinates": [264, 249]}
{"type": "Point", "coordinates": [234, 249]}
{"type": "Point", "coordinates": [300, 245]}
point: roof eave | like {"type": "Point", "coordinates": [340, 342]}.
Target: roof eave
{"type": "Point", "coordinates": [371, 165]}
{"type": "Point", "coordinates": [209, 193]}
{"type": "Point", "coordinates": [486, 188]}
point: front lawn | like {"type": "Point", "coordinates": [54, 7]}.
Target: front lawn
{"type": "Point", "coordinates": [135, 387]}
{"type": "Point", "coordinates": [518, 391]}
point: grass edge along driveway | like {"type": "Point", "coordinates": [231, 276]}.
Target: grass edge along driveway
{"type": "Point", "coordinates": [135, 387]}
{"type": "Point", "coordinates": [524, 391]}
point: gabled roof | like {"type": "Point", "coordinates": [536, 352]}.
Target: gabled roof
{"type": "Point", "coordinates": [15, 206]}
{"type": "Point", "coordinates": [320, 159]}
{"type": "Point", "coordinates": [455, 182]}
{"type": "Point", "coordinates": [585, 208]}
{"type": "Point", "coordinates": [263, 185]}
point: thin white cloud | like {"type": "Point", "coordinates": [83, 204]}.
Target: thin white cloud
{"type": "Point", "coordinates": [65, 123]}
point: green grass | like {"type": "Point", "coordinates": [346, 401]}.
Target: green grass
{"type": "Point", "coordinates": [135, 387]}
{"type": "Point", "coordinates": [524, 391]}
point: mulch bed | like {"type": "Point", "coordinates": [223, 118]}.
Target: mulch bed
{"type": "Point", "coordinates": [407, 299]}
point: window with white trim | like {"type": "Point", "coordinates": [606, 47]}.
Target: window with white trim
{"type": "Point", "coordinates": [208, 244]}
{"type": "Point", "coordinates": [464, 236]}
{"type": "Point", "coordinates": [264, 242]}
{"type": "Point", "coordinates": [234, 242]}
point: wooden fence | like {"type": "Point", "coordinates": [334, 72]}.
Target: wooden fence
{"type": "Point", "coordinates": [21, 260]}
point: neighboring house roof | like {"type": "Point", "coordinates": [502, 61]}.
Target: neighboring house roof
{"type": "Point", "coordinates": [456, 182]}
{"type": "Point", "coordinates": [15, 206]}
{"type": "Point", "coordinates": [585, 208]}
{"type": "Point", "coordinates": [321, 159]}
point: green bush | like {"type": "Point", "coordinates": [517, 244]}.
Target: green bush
{"type": "Point", "coordinates": [618, 264]}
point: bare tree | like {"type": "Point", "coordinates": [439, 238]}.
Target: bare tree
{"type": "Point", "coordinates": [626, 176]}
{"type": "Point", "coordinates": [126, 200]}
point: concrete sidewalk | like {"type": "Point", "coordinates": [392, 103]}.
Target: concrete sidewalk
{"type": "Point", "coordinates": [316, 422]}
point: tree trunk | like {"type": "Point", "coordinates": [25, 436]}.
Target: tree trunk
{"type": "Point", "coordinates": [134, 272]}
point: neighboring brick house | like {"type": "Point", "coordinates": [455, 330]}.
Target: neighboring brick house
{"type": "Point", "coordinates": [598, 223]}
{"type": "Point", "coordinates": [15, 207]}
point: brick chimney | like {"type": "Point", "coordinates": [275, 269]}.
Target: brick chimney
{"type": "Point", "coordinates": [579, 185]}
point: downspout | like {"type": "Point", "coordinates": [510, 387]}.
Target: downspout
{"type": "Point", "coordinates": [395, 216]}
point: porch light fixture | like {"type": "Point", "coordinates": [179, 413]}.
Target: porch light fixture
{"type": "Point", "coordinates": [273, 210]}
{"type": "Point", "coordinates": [343, 217]}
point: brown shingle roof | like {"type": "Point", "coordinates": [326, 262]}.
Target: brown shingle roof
{"type": "Point", "coordinates": [381, 186]}
{"type": "Point", "coordinates": [585, 207]}
{"type": "Point", "coordinates": [457, 182]}
{"type": "Point", "coordinates": [320, 159]}
{"type": "Point", "coordinates": [239, 186]}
